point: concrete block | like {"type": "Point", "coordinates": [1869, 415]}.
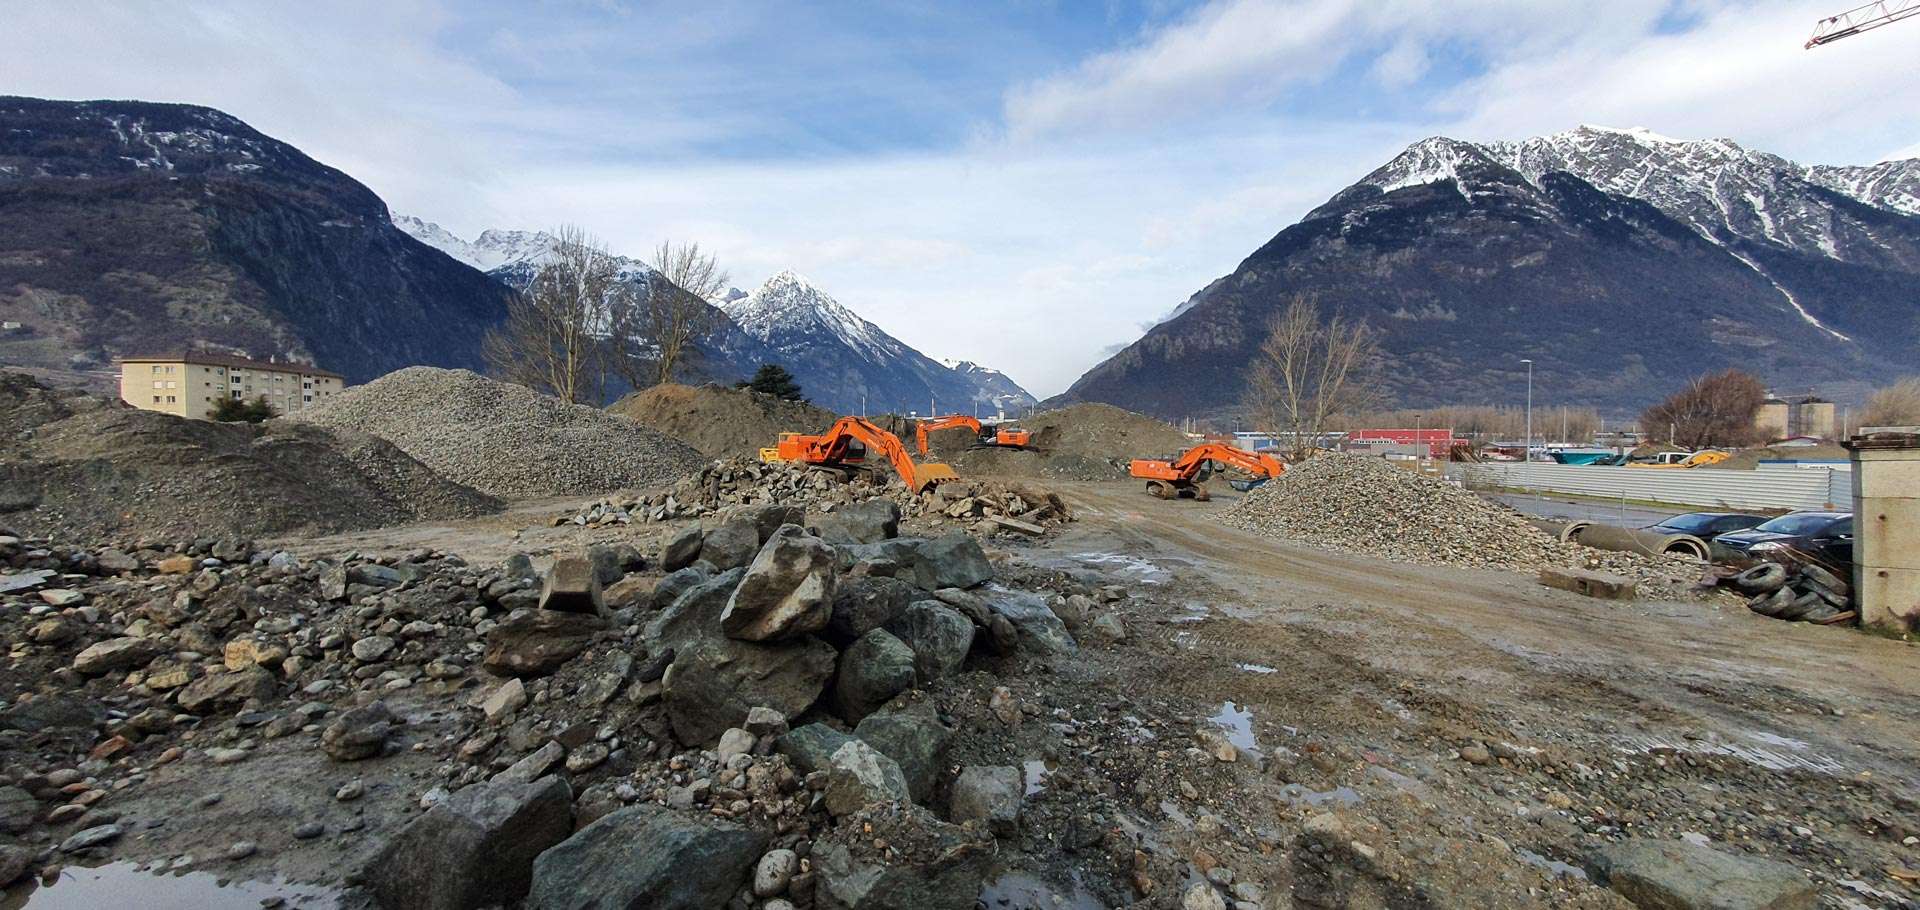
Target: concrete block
{"type": "Point", "coordinates": [1886, 532]}
{"type": "Point", "coordinates": [1591, 584]}
{"type": "Point", "coordinates": [1886, 476]}
{"type": "Point", "coordinates": [1889, 598]}
{"type": "Point", "coordinates": [572, 586]}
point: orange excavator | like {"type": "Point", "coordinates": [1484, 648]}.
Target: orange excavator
{"type": "Point", "coordinates": [844, 447]}
{"type": "Point", "coordinates": [994, 436]}
{"type": "Point", "coordinates": [1181, 476]}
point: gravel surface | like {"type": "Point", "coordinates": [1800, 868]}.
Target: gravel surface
{"type": "Point", "coordinates": [1367, 505]}
{"type": "Point", "coordinates": [506, 440]}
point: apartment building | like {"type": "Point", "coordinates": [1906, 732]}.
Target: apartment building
{"type": "Point", "coordinates": [188, 385]}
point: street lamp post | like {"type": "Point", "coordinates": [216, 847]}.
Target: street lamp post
{"type": "Point", "coordinates": [1529, 455]}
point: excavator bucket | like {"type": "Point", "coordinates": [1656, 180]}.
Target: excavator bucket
{"type": "Point", "coordinates": [930, 473]}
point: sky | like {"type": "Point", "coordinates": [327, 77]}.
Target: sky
{"type": "Point", "coordinates": [1027, 184]}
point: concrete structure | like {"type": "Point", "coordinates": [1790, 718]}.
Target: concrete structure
{"type": "Point", "coordinates": [1886, 543]}
{"type": "Point", "coordinates": [189, 385]}
{"type": "Point", "coordinates": [1803, 415]}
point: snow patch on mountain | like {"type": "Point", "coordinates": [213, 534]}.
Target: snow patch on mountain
{"type": "Point", "coordinates": [789, 305]}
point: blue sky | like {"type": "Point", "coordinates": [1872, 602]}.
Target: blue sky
{"type": "Point", "coordinates": [1025, 184]}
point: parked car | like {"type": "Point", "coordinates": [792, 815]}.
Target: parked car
{"type": "Point", "coordinates": [1824, 537]}
{"type": "Point", "coordinates": [1707, 525]}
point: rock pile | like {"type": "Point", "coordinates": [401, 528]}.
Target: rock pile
{"type": "Point", "coordinates": [1367, 505]}
{"type": "Point", "coordinates": [981, 506]}
{"type": "Point", "coordinates": [503, 439]}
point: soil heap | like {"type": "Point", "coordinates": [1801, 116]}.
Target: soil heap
{"type": "Point", "coordinates": [721, 422]}
{"type": "Point", "coordinates": [1366, 505]}
{"type": "Point", "coordinates": [1080, 442]}
{"type": "Point", "coordinates": [506, 440]}
{"type": "Point", "coordinates": [73, 464]}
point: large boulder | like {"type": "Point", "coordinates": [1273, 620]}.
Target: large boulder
{"type": "Point", "coordinates": [1039, 628]}
{"type": "Point", "coordinates": [903, 553]}
{"type": "Point", "coordinates": [858, 776]}
{"type": "Point", "coordinates": [538, 642]}
{"type": "Point", "coordinates": [731, 545]}
{"type": "Point", "coordinates": [359, 734]}
{"type": "Point", "coordinates": [990, 794]}
{"type": "Point", "coordinates": [1677, 875]}
{"type": "Point", "coordinates": [872, 671]}
{"type": "Point", "coordinates": [952, 560]}
{"type": "Point", "coordinates": [646, 858]}
{"type": "Point", "coordinates": [713, 682]}
{"type": "Point", "coordinates": [787, 591]}
{"type": "Point", "coordinates": [227, 691]}
{"type": "Point", "coordinates": [682, 550]}
{"type": "Point", "coordinates": [861, 605]}
{"type": "Point", "coordinates": [473, 849]}
{"type": "Point", "coordinates": [694, 615]}
{"type": "Point", "coordinates": [916, 740]}
{"type": "Point", "coordinates": [939, 636]}
{"type": "Point", "coordinates": [810, 748]}
{"type": "Point", "coordinates": [678, 582]}
{"type": "Point", "coordinates": [117, 655]}
{"type": "Point", "coordinates": [572, 585]}
{"type": "Point", "coordinates": [868, 521]}
{"type": "Point", "coordinates": [767, 518]}
{"type": "Point", "coordinates": [941, 869]}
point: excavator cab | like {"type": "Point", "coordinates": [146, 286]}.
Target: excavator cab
{"type": "Point", "coordinates": [844, 446]}
{"type": "Point", "coordinates": [1185, 476]}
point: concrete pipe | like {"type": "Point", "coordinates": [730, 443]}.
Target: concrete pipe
{"type": "Point", "coordinates": [1645, 543]}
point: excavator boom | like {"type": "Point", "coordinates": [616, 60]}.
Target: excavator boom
{"type": "Point", "coordinates": [1003, 437]}
{"type": "Point", "coordinates": [835, 448]}
{"type": "Point", "coordinates": [1171, 479]}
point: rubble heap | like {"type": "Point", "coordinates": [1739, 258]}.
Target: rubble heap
{"type": "Point", "coordinates": [981, 506]}
{"type": "Point", "coordinates": [1366, 505]}
{"type": "Point", "coordinates": [503, 439]}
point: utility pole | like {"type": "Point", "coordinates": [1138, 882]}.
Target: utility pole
{"type": "Point", "coordinates": [1529, 455]}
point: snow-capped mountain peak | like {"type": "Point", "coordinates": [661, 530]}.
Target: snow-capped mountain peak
{"type": "Point", "coordinates": [491, 250]}
{"type": "Point", "coordinates": [789, 304]}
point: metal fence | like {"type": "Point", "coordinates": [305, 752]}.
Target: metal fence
{"type": "Point", "coordinates": [1706, 488]}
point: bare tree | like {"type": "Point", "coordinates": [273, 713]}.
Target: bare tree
{"type": "Point", "coordinates": [1897, 405]}
{"type": "Point", "coordinates": [655, 334]}
{"type": "Point", "coordinates": [553, 338]}
{"type": "Point", "coordinates": [1713, 410]}
{"type": "Point", "coordinates": [1309, 372]}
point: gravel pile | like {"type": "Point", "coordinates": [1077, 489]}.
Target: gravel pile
{"type": "Point", "coordinates": [1366, 505]}
{"type": "Point", "coordinates": [721, 422]}
{"type": "Point", "coordinates": [506, 440]}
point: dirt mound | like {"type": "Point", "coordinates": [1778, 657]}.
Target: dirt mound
{"type": "Point", "coordinates": [721, 422]}
{"type": "Point", "coordinates": [1749, 459]}
{"type": "Point", "coordinates": [506, 440]}
{"type": "Point", "coordinates": [1367, 505]}
{"type": "Point", "coordinates": [1079, 442]}
{"type": "Point", "coordinates": [78, 465]}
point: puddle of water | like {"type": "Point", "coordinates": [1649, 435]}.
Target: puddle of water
{"type": "Point", "coordinates": [1777, 754]}
{"type": "Point", "coordinates": [1257, 668]}
{"type": "Point", "coordinates": [1036, 770]}
{"type": "Point", "coordinates": [1121, 564]}
{"type": "Point", "coordinates": [1195, 612]}
{"type": "Point", "coordinates": [1301, 796]}
{"type": "Point", "coordinates": [1020, 891]}
{"type": "Point", "coordinates": [1564, 870]}
{"type": "Point", "coordinates": [126, 884]}
{"type": "Point", "coordinates": [1238, 722]}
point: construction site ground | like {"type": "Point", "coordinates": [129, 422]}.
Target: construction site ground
{"type": "Point", "coordinates": [1480, 733]}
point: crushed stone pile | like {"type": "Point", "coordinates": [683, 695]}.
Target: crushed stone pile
{"type": "Point", "coordinates": [983, 506]}
{"type": "Point", "coordinates": [721, 422]}
{"type": "Point", "coordinates": [1078, 442]}
{"type": "Point", "coordinates": [506, 440]}
{"type": "Point", "coordinates": [1366, 505]}
{"type": "Point", "coordinates": [73, 464]}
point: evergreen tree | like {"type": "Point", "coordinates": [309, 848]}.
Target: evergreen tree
{"type": "Point", "coordinates": [773, 379]}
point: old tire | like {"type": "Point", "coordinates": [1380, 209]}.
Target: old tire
{"type": "Point", "coordinates": [1765, 578]}
{"type": "Point", "coordinates": [1821, 578]}
{"type": "Point", "coordinates": [1771, 604]}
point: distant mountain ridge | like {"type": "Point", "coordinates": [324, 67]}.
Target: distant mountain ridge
{"type": "Point", "coordinates": [841, 360]}
{"type": "Point", "coordinates": [1621, 261]}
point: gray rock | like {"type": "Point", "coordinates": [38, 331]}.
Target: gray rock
{"type": "Point", "coordinates": [676, 583]}
{"type": "Point", "coordinates": [901, 552]}
{"type": "Point", "coordinates": [19, 810]}
{"type": "Point", "coordinates": [774, 871]}
{"type": "Point", "coordinates": [1677, 875]}
{"type": "Point", "coordinates": [861, 605]}
{"type": "Point", "coordinates": [476, 848]}
{"type": "Point", "coordinates": [14, 863]}
{"type": "Point", "coordinates": [859, 776]}
{"type": "Point", "coordinates": [359, 734]}
{"type": "Point", "coordinates": [117, 655]}
{"type": "Point", "coordinates": [646, 857]}
{"type": "Point", "coordinates": [731, 545]}
{"type": "Point", "coordinates": [572, 585]}
{"type": "Point", "coordinates": [1107, 627]}
{"type": "Point", "coordinates": [539, 642]}
{"type": "Point", "coordinates": [988, 793]}
{"type": "Point", "coordinates": [694, 615]}
{"type": "Point", "coordinates": [373, 649]}
{"type": "Point", "coordinates": [869, 521]}
{"type": "Point", "coordinates": [768, 518]}
{"type": "Point", "coordinates": [787, 591]}
{"type": "Point", "coordinates": [939, 636]}
{"type": "Point", "coordinates": [872, 671]}
{"type": "Point", "coordinates": [228, 691]}
{"type": "Point", "coordinates": [682, 550]}
{"type": "Point", "coordinates": [945, 876]}
{"type": "Point", "coordinates": [534, 765]}
{"type": "Point", "coordinates": [809, 748]}
{"type": "Point", "coordinates": [953, 560]}
{"type": "Point", "coordinates": [91, 837]}
{"type": "Point", "coordinates": [715, 681]}
{"type": "Point", "coordinates": [914, 738]}
{"type": "Point", "coordinates": [612, 562]}
{"type": "Point", "coordinates": [1039, 629]}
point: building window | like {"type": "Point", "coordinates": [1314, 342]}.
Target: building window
{"type": "Point", "coordinates": [156, 399]}
{"type": "Point", "coordinates": [159, 383]}
{"type": "Point", "coordinates": [156, 368]}
{"type": "Point", "coordinates": [171, 399]}
{"type": "Point", "coordinates": [236, 394]}
{"type": "Point", "coordinates": [172, 384]}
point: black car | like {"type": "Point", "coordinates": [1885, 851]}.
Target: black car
{"type": "Point", "coordinates": [1824, 537]}
{"type": "Point", "coordinates": [1707, 525]}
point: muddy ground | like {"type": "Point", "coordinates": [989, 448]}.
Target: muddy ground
{"type": "Point", "coordinates": [1407, 736]}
